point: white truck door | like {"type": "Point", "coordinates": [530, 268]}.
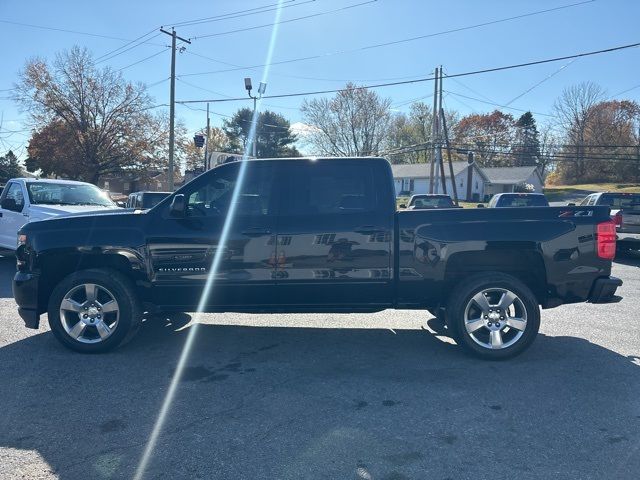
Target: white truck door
{"type": "Point", "coordinates": [13, 214]}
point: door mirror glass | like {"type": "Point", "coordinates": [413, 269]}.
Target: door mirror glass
{"type": "Point", "coordinates": [402, 205]}
{"type": "Point", "coordinates": [178, 206]}
{"type": "Point", "coordinates": [10, 204]}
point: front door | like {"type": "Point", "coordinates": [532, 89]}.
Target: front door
{"type": "Point", "coordinates": [335, 234]}
{"type": "Point", "coordinates": [11, 214]}
{"type": "Point", "coordinates": [239, 225]}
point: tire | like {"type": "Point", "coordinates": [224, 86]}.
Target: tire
{"type": "Point", "coordinates": [83, 317]}
{"type": "Point", "coordinates": [479, 322]}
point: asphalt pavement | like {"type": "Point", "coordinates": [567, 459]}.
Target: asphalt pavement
{"type": "Point", "coordinates": [376, 396]}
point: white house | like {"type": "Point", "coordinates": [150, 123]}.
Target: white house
{"type": "Point", "coordinates": [508, 179]}
{"type": "Point", "coordinates": [412, 178]}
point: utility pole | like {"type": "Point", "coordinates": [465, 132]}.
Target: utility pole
{"type": "Point", "coordinates": [434, 131]}
{"type": "Point", "coordinates": [206, 145]}
{"type": "Point", "coordinates": [470, 162]}
{"type": "Point", "coordinates": [445, 131]}
{"type": "Point", "coordinates": [172, 101]}
{"type": "Point", "coordinates": [443, 177]}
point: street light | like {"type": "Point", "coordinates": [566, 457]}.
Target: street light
{"type": "Point", "coordinates": [261, 89]}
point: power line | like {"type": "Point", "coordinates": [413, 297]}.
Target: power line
{"type": "Point", "coordinates": [239, 13]}
{"type": "Point", "coordinates": [125, 45]}
{"type": "Point", "coordinates": [105, 58]}
{"type": "Point", "coordinates": [144, 59]}
{"type": "Point", "coordinates": [42, 27]}
{"type": "Point", "coordinates": [536, 85]}
{"type": "Point", "coordinates": [497, 104]}
{"type": "Point", "coordinates": [428, 79]}
{"type": "Point", "coordinates": [396, 42]}
{"type": "Point", "coordinates": [305, 17]}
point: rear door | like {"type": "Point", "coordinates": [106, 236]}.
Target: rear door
{"type": "Point", "coordinates": [335, 234]}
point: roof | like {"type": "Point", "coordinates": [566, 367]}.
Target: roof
{"type": "Point", "coordinates": [509, 175]}
{"type": "Point", "coordinates": [52, 180]}
{"type": "Point", "coordinates": [421, 170]}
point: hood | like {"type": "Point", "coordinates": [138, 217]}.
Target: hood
{"type": "Point", "coordinates": [44, 212]}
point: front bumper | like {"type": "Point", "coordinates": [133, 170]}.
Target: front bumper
{"type": "Point", "coordinates": [25, 293]}
{"type": "Point", "coordinates": [604, 289]}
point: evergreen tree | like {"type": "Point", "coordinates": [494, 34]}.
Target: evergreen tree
{"type": "Point", "coordinates": [527, 142]}
{"type": "Point", "coordinates": [9, 167]}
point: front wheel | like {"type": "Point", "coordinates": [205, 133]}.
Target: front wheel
{"type": "Point", "coordinates": [93, 311]}
{"type": "Point", "coordinates": [494, 316]}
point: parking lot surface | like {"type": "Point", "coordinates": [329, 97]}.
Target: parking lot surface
{"type": "Point", "coordinates": [375, 396]}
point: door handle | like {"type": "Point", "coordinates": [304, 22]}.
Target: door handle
{"type": "Point", "coordinates": [256, 232]}
{"type": "Point", "coordinates": [369, 230]}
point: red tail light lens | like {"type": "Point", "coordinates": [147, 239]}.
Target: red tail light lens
{"type": "Point", "coordinates": [617, 218]}
{"type": "Point", "coordinates": [606, 235]}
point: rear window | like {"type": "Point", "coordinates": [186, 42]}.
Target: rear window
{"type": "Point", "coordinates": [152, 199]}
{"type": "Point", "coordinates": [619, 200]}
{"type": "Point", "coordinates": [523, 201]}
{"type": "Point", "coordinates": [431, 202]}
{"type": "Point", "coordinates": [329, 188]}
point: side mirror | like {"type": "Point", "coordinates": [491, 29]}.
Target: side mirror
{"type": "Point", "coordinates": [402, 205]}
{"type": "Point", "coordinates": [571, 204]}
{"type": "Point", "coordinates": [481, 205]}
{"type": "Point", "coordinates": [10, 204]}
{"type": "Point", "coordinates": [178, 206]}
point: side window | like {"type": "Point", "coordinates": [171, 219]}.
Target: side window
{"type": "Point", "coordinates": [593, 200]}
{"type": "Point", "coordinates": [323, 188]}
{"type": "Point", "coordinates": [216, 194]}
{"type": "Point", "coordinates": [13, 197]}
{"type": "Point", "coordinates": [585, 201]}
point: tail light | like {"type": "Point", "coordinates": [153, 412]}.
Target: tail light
{"type": "Point", "coordinates": [606, 238]}
{"type": "Point", "coordinates": [617, 218]}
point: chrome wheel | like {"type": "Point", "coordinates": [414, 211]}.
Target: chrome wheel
{"type": "Point", "coordinates": [495, 318]}
{"type": "Point", "coordinates": [89, 313]}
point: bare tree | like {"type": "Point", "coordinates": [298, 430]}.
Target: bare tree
{"type": "Point", "coordinates": [353, 123]}
{"type": "Point", "coordinates": [574, 110]}
{"type": "Point", "coordinates": [105, 122]}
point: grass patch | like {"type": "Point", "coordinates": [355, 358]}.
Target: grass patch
{"type": "Point", "coordinates": [564, 192]}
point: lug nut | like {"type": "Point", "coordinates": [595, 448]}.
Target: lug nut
{"type": "Point", "coordinates": [99, 316]}
{"type": "Point", "coordinates": [501, 318]}
{"type": "Point", "coordinates": [498, 324]}
{"type": "Point", "coordinates": [85, 315]}
{"type": "Point", "coordinates": [489, 324]}
{"type": "Point", "coordinates": [486, 316]}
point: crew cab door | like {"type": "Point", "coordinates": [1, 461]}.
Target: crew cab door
{"type": "Point", "coordinates": [182, 249]}
{"type": "Point", "coordinates": [12, 214]}
{"type": "Point", "coordinates": [335, 232]}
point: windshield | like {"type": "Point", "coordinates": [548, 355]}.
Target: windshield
{"type": "Point", "coordinates": [46, 193]}
{"type": "Point", "coordinates": [619, 201]}
{"type": "Point", "coordinates": [431, 202]}
{"type": "Point", "coordinates": [523, 201]}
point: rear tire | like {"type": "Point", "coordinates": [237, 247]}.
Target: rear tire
{"type": "Point", "coordinates": [493, 316]}
{"type": "Point", "coordinates": [94, 311]}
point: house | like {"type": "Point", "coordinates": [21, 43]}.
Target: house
{"type": "Point", "coordinates": [125, 183]}
{"type": "Point", "coordinates": [510, 179]}
{"type": "Point", "coordinates": [412, 178]}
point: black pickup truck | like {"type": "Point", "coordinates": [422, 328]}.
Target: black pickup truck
{"type": "Point", "coordinates": [312, 235]}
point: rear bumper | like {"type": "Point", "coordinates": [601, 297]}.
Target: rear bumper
{"type": "Point", "coordinates": [628, 239]}
{"type": "Point", "coordinates": [604, 289]}
{"type": "Point", "coordinates": [25, 293]}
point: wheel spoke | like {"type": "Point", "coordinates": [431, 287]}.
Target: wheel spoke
{"type": "Point", "coordinates": [517, 323]}
{"type": "Point", "coordinates": [110, 306]}
{"type": "Point", "coordinates": [77, 330]}
{"type": "Point", "coordinates": [103, 329]}
{"type": "Point", "coordinates": [70, 305]}
{"type": "Point", "coordinates": [475, 324]}
{"type": "Point", "coordinates": [481, 301]}
{"type": "Point", "coordinates": [91, 290]}
{"type": "Point", "coordinates": [496, 339]}
{"type": "Point", "coordinates": [506, 300]}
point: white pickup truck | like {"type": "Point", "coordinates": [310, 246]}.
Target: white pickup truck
{"type": "Point", "coordinates": [27, 200]}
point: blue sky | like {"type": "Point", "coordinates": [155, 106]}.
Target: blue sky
{"type": "Point", "coordinates": [590, 26]}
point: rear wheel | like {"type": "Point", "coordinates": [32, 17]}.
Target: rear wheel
{"type": "Point", "coordinates": [94, 310]}
{"type": "Point", "coordinates": [494, 316]}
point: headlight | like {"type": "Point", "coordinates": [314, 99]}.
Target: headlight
{"type": "Point", "coordinates": [22, 239]}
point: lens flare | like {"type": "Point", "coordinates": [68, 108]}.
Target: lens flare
{"type": "Point", "coordinates": [209, 284]}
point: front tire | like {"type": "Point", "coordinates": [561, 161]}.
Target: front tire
{"type": "Point", "coordinates": [94, 311]}
{"type": "Point", "coordinates": [494, 316]}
